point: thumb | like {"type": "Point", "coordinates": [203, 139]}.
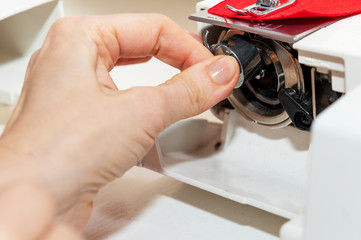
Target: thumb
{"type": "Point", "coordinates": [199, 87]}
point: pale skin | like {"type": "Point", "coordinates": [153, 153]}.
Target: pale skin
{"type": "Point", "coordinates": [72, 131]}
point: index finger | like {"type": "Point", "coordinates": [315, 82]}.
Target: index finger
{"type": "Point", "coordinates": [133, 36]}
{"type": "Point", "coordinates": [156, 35]}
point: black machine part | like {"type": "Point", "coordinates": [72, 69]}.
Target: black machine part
{"type": "Point", "coordinates": [276, 90]}
{"type": "Point", "coordinates": [246, 54]}
{"type": "Point", "coordinates": [273, 89]}
{"type": "Point", "coordinates": [298, 109]}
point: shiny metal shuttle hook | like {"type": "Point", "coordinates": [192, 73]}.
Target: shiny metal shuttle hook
{"type": "Point", "coordinates": [205, 35]}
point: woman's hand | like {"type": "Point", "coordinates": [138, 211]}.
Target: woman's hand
{"type": "Point", "coordinates": [27, 213]}
{"type": "Point", "coordinates": [72, 131]}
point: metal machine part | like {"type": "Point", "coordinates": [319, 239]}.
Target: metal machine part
{"type": "Point", "coordinates": [289, 31]}
{"type": "Point", "coordinates": [246, 54]}
{"type": "Point", "coordinates": [273, 90]}
{"type": "Point", "coordinates": [322, 93]}
{"type": "Point", "coordinates": [266, 68]}
{"type": "Point", "coordinates": [262, 7]}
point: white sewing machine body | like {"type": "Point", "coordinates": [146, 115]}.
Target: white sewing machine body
{"type": "Point", "coordinates": [310, 177]}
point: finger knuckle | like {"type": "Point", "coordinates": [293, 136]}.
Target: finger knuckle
{"type": "Point", "coordinates": [161, 18]}
{"type": "Point", "coordinates": [61, 25]}
{"type": "Point", "coordinates": [66, 26]}
{"type": "Point", "coordinates": [34, 57]}
{"type": "Point", "coordinates": [163, 21]}
{"type": "Point", "coordinates": [152, 105]}
{"type": "Point", "coordinates": [191, 93]}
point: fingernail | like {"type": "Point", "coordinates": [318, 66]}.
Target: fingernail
{"type": "Point", "coordinates": [223, 70]}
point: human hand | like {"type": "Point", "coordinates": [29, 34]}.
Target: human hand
{"type": "Point", "coordinates": [32, 219]}
{"type": "Point", "coordinates": [73, 132]}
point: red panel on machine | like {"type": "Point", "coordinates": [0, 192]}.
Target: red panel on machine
{"type": "Point", "coordinates": [298, 9]}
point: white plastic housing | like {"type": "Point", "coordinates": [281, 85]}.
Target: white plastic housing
{"type": "Point", "coordinates": [335, 48]}
{"type": "Point", "coordinates": [265, 168]}
{"type": "Point", "coordinates": [274, 169]}
{"type": "Point", "coordinates": [334, 195]}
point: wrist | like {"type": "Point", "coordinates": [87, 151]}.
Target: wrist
{"type": "Point", "coordinates": [17, 166]}
{"type": "Point", "coordinates": [10, 169]}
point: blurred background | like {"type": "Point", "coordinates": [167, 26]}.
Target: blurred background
{"type": "Point", "coordinates": [176, 10]}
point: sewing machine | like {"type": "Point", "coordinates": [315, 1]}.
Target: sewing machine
{"type": "Point", "coordinates": [288, 140]}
